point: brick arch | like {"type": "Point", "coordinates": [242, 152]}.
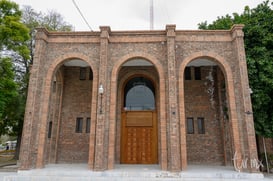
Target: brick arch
{"type": "Point", "coordinates": [226, 69]}
{"type": "Point", "coordinates": [57, 100]}
{"type": "Point", "coordinates": [213, 57]}
{"type": "Point", "coordinates": [129, 75]}
{"type": "Point", "coordinates": [60, 60]}
{"type": "Point", "coordinates": [113, 103]}
{"type": "Point", "coordinates": [53, 67]}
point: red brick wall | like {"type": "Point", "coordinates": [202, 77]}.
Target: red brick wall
{"type": "Point", "coordinates": [72, 146]}
{"type": "Point", "coordinates": [208, 147]}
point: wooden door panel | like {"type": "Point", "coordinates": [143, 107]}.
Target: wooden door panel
{"type": "Point", "coordinates": [139, 137]}
{"type": "Point", "coordinates": [146, 145]}
{"type": "Point", "coordinates": [131, 146]}
{"type": "Point", "coordinates": [138, 118]}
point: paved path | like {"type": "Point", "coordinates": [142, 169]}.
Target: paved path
{"type": "Point", "coordinates": [66, 172]}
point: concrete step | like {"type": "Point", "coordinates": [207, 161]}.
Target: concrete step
{"type": "Point", "coordinates": [64, 172]}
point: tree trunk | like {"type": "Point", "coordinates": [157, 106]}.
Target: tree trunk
{"type": "Point", "coordinates": [18, 145]}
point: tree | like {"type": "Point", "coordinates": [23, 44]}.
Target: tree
{"type": "Point", "coordinates": [17, 32]}
{"type": "Point", "coordinates": [13, 38]}
{"type": "Point", "coordinates": [52, 21]}
{"type": "Point", "coordinates": [13, 34]}
{"type": "Point", "coordinates": [259, 54]}
{"type": "Point", "coordinates": [8, 97]}
{"type": "Point", "coordinates": [13, 43]}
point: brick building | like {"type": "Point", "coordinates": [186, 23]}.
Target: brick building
{"type": "Point", "coordinates": [166, 97]}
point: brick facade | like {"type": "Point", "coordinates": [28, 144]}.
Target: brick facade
{"type": "Point", "coordinates": [58, 98]}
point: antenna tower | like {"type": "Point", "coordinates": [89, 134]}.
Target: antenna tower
{"type": "Point", "coordinates": [151, 14]}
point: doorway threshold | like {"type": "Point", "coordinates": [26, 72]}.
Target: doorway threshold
{"type": "Point", "coordinates": [137, 167]}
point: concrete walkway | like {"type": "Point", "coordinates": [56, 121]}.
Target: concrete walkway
{"type": "Point", "coordinates": [80, 172]}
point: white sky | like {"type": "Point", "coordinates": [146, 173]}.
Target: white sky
{"type": "Point", "coordinates": [135, 14]}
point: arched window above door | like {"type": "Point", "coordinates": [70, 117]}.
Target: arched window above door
{"type": "Point", "coordinates": [139, 94]}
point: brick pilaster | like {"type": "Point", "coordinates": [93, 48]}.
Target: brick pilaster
{"type": "Point", "coordinates": [101, 125]}
{"type": "Point", "coordinates": [28, 154]}
{"type": "Point", "coordinates": [172, 109]}
{"type": "Point", "coordinates": [250, 151]}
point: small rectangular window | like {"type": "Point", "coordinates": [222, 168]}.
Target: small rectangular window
{"type": "Point", "coordinates": [82, 73]}
{"type": "Point", "coordinates": [190, 126]}
{"type": "Point", "coordinates": [201, 125]}
{"type": "Point", "coordinates": [79, 124]}
{"type": "Point", "coordinates": [197, 73]}
{"type": "Point", "coordinates": [87, 125]}
{"type": "Point", "coordinates": [49, 129]}
{"type": "Point", "coordinates": [187, 73]}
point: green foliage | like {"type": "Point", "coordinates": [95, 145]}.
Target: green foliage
{"type": "Point", "coordinates": [17, 32]}
{"type": "Point", "coordinates": [13, 43]}
{"type": "Point", "coordinates": [259, 52]}
{"type": "Point", "coordinates": [13, 34]}
{"type": "Point", "coordinates": [8, 96]}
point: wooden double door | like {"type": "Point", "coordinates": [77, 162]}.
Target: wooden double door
{"type": "Point", "coordinates": [139, 137]}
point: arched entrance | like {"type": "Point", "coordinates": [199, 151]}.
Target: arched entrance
{"type": "Point", "coordinates": [68, 127]}
{"type": "Point", "coordinates": [208, 73]}
{"type": "Point", "coordinates": [135, 75]}
{"type": "Point", "coordinates": [207, 126]}
{"type": "Point", "coordinates": [139, 122]}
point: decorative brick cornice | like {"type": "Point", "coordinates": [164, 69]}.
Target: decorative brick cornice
{"type": "Point", "coordinates": [140, 35]}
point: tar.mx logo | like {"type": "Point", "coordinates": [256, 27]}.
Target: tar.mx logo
{"type": "Point", "coordinates": [254, 163]}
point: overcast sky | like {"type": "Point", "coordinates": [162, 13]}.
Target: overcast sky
{"type": "Point", "coordinates": [135, 14]}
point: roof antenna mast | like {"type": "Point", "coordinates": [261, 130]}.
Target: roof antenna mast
{"type": "Point", "coordinates": [151, 14]}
